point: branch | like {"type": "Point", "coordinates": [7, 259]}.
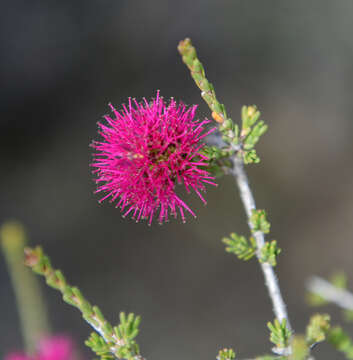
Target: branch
{"type": "Point", "coordinates": [271, 280]}
{"type": "Point", "coordinates": [331, 293]}
{"type": "Point", "coordinates": [249, 136]}
{"type": "Point", "coordinates": [118, 341]}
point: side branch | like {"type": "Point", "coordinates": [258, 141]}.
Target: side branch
{"type": "Point", "coordinates": [118, 340]}
{"type": "Point", "coordinates": [271, 280]}
{"type": "Point", "coordinates": [331, 293]}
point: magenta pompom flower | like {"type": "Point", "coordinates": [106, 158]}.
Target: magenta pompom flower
{"type": "Point", "coordinates": [147, 149]}
{"type": "Point", "coordinates": [52, 348]}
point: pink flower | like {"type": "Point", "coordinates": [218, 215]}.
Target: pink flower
{"type": "Point", "coordinates": [53, 348]}
{"type": "Point", "coordinates": [17, 356]}
{"type": "Point", "coordinates": [56, 348]}
{"type": "Point", "coordinates": [147, 148]}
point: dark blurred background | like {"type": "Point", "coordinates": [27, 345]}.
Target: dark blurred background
{"type": "Point", "coordinates": [63, 61]}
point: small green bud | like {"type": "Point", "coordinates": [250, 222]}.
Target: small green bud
{"type": "Point", "coordinates": [259, 222]}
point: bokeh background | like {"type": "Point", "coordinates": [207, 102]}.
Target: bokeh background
{"type": "Point", "coordinates": [63, 61]}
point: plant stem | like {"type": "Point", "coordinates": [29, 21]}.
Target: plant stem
{"type": "Point", "coordinates": [271, 280]}
{"type": "Point", "coordinates": [40, 264]}
{"type": "Point", "coordinates": [31, 307]}
{"type": "Point", "coordinates": [189, 57]}
{"type": "Point", "coordinates": [331, 293]}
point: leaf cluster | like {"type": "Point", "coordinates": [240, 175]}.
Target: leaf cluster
{"type": "Point", "coordinates": [317, 328]}
{"type": "Point", "coordinates": [297, 347]}
{"type": "Point", "coordinates": [99, 346]}
{"type": "Point", "coordinates": [252, 129]}
{"type": "Point", "coordinates": [125, 332]}
{"type": "Point", "coordinates": [226, 354]}
{"type": "Point", "coordinates": [243, 248]}
{"type": "Point", "coordinates": [269, 252]}
{"type": "Point", "coordinates": [259, 221]}
{"type": "Point", "coordinates": [230, 132]}
{"type": "Point", "coordinates": [279, 333]}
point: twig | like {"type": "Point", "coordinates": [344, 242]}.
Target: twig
{"type": "Point", "coordinates": [271, 281]}
{"type": "Point", "coordinates": [189, 57]}
{"type": "Point", "coordinates": [331, 293]}
{"type": "Point", "coordinates": [40, 264]}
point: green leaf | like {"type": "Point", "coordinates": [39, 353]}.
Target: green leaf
{"type": "Point", "coordinates": [244, 249]}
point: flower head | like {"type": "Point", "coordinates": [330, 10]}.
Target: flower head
{"type": "Point", "coordinates": [147, 149]}
{"type": "Point", "coordinates": [53, 348]}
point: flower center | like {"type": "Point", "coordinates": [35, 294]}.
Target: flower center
{"type": "Point", "coordinates": [156, 156]}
